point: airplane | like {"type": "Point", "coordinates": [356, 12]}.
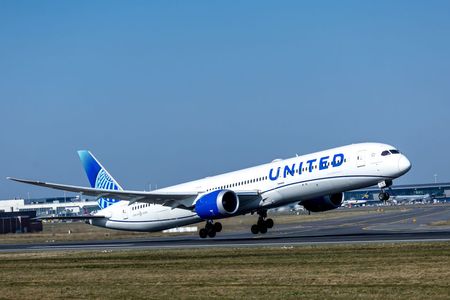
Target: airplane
{"type": "Point", "coordinates": [354, 202]}
{"type": "Point", "coordinates": [316, 181]}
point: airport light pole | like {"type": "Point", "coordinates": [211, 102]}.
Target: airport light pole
{"type": "Point", "coordinates": [435, 178]}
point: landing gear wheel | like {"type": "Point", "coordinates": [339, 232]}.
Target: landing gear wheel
{"type": "Point", "coordinates": [203, 233]}
{"type": "Point", "coordinates": [263, 223]}
{"type": "Point", "coordinates": [383, 196]}
{"type": "Point", "coordinates": [263, 228]}
{"type": "Point", "coordinates": [210, 229]}
{"type": "Point", "coordinates": [217, 227]}
{"type": "Point", "coordinates": [212, 233]}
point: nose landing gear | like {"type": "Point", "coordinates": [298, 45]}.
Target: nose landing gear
{"type": "Point", "coordinates": [263, 223]}
{"type": "Point", "coordinates": [383, 195]}
{"type": "Point", "coordinates": [210, 229]}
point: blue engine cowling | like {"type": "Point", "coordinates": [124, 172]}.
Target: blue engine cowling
{"type": "Point", "coordinates": [323, 203]}
{"type": "Point", "coordinates": [217, 204]}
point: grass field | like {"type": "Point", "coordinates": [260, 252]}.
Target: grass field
{"type": "Point", "coordinates": [375, 271]}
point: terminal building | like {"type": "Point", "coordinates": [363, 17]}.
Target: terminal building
{"type": "Point", "coordinates": [403, 194]}
{"type": "Point", "coordinates": [57, 206]}
{"type": "Point", "coordinates": [19, 215]}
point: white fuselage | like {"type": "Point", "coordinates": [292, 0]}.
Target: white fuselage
{"type": "Point", "coordinates": [279, 183]}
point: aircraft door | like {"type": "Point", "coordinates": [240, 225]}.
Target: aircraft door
{"type": "Point", "coordinates": [361, 158]}
{"type": "Point", "coordinates": [125, 212]}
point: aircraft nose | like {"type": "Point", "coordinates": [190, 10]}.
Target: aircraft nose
{"type": "Point", "coordinates": [404, 164]}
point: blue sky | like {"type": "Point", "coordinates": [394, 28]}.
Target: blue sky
{"type": "Point", "coordinates": [169, 91]}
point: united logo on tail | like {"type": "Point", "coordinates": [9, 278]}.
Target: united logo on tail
{"type": "Point", "coordinates": [99, 177]}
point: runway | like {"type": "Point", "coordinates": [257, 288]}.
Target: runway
{"type": "Point", "coordinates": [411, 224]}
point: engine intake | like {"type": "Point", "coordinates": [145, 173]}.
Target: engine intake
{"type": "Point", "coordinates": [324, 203]}
{"type": "Point", "coordinates": [217, 204]}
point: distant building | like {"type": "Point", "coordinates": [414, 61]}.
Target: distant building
{"type": "Point", "coordinates": [434, 192]}
{"type": "Point", "coordinates": [57, 206]}
{"type": "Point", "coordinates": [19, 222]}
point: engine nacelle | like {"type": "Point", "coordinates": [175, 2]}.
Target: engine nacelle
{"type": "Point", "coordinates": [323, 203]}
{"type": "Point", "coordinates": [217, 204]}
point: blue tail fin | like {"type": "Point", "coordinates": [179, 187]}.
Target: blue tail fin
{"type": "Point", "coordinates": [98, 177]}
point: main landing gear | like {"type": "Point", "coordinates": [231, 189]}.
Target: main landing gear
{"type": "Point", "coordinates": [383, 195]}
{"type": "Point", "coordinates": [210, 229]}
{"type": "Point", "coordinates": [263, 223]}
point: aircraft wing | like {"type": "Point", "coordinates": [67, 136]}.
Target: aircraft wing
{"type": "Point", "coordinates": [174, 200]}
{"type": "Point", "coordinates": [170, 199]}
{"type": "Point", "coordinates": [70, 218]}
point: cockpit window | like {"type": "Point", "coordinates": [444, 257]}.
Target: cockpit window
{"type": "Point", "coordinates": [385, 152]}
{"type": "Point", "coordinates": [394, 151]}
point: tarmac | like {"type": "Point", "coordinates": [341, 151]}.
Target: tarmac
{"type": "Point", "coordinates": [411, 224]}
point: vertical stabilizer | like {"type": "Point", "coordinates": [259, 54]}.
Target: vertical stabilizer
{"type": "Point", "coordinates": [98, 177]}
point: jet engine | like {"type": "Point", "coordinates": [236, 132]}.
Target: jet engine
{"type": "Point", "coordinates": [217, 204]}
{"type": "Point", "coordinates": [324, 203]}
